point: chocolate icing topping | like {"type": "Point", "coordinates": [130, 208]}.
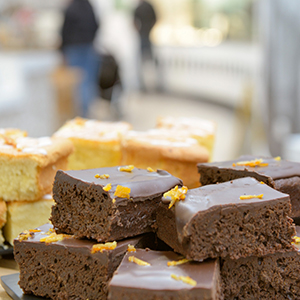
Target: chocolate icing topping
{"type": "Point", "coordinates": [138, 180]}
{"type": "Point", "coordinates": [276, 169]}
{"type": "Point", "coordinates": [157, 276]}
{"type": "Point", "coordinates": [79, 245]}
{"type": "Point", "coordinates": [223, 194]}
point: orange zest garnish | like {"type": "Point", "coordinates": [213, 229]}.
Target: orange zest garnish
{"type": "Point", "coordinates": [149, 169]}
{"type": "Point", "coordinates": [296, 240]}
{"type": "Point", "coordinates": [138, 261]}
{"type": "Point", "coordinates": [185, 279]}
{"type": "Point", "coordinates": [245, 197]}
{"type": "Point", "coordinates": [130, 248]}
{"type": "Point", "coordinates": [10, 141]}
{"type": "Point", "coordinates": [107, 187]}
{"type": "Point", "coordinates": [34, 230]}
{"type": "Point", "coordinates": [176, 194]}
{"type": "Point", "coordinates": [53, 237]}
{"type": "Point", "coordinates": [103, 176]}
{"type": "Point", "coordinates": [178, 262]}
{"type": "Point", "coordinates": [102, 247]}
{"type": "Point", "coordinates": [251, 163]}
{"type": "Point", "coordinates": [122, 192]}
{"type": "Point", "coordinates": [80, 121]}
{"type": "Point", "coordinates": [126, 168]}
{"type": "Point", "coordinates": [23, 236]}
{"type": "Point", "coordinates": [50, 230]}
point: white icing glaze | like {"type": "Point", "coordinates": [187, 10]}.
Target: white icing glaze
{"type": "Point", "coordinates": [93, 130]}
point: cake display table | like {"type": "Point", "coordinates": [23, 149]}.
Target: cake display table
{"type": "Point", "coordinates": [7, 267]}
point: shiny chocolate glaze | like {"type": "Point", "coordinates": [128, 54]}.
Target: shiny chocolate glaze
{"type": "Point", "coordinates": [223, 194]}
{"type": "Point", "coordinates": [157, 276]}
{"type": "Point", "coordinates": [83, 246]}
{"type": "Point", "coordinates": [142, 183]}
{"type": "Point", "coordinates": [276, 169]}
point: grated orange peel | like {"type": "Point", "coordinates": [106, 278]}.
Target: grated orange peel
{"type": "Point", "coordinates": [103, 176]}
{"type": "Point", "coordinates": [54, 237]}
{"type": "Point", "coordinates": [102, 247]}
{"type": "Point", "coordinates": [122, 192]}
{"type": "Point", "coordinates": [178, 262]}
{"type": "Point", "coordinates": [246, 197]}
{"type": "Point", "coordinates": [185, 279]}
{"type": "Point", "coordinates": [296, 240]}
{"type": "Point", "coordinates": [80, 121]}
{"type": "Point", "coordinates": [107, 187]}
{"type": "Point", "coordinates": [258, 162]}
{"type": "Point", "coordinates": [128, 168]}
{"type": "Point", "coordinates": [176, 194]}
{"type": "Point", "coordinates": [138, 261]}
{"type": "Point", "coordinates": [131, 248]}
{"type": "Point", "coordinates": [10, 141]}
{"type": "Point", "coordinates": [23, 236]}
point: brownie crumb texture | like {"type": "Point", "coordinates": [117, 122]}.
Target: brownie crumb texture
{"type": "Point", "coordinates": [274, 276]}
{"type": "Point", "coordinates": [63, 274]}
{"type": "Point", "coordinates": [240, 233]}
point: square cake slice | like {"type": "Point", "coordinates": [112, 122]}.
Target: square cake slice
{"type": "Point", "coordinates": [238, 218]}
{"type": "Point", "coordinates": [23, 215]}
{"type": "Point", "coordinates": [280, 174]}
{"type": "Point", "coordinates": [166, 149]}
{"type": "Point", "coordinates": [97, 144]}
{"type": "Point", "coordinates": [108, 204]}
{"type": "Point", "coordinates": [202, 130]}
{"type": "Point", "coordinates": [28, 165]}
{"type": "Point", "coordinates": [62, 267]}
{"type": "Point", "coordinates": [3, 219]}
{"type": "Point", "coordinates": [145, 274]}
{"type": "Point", "coordinates": [274, 276]}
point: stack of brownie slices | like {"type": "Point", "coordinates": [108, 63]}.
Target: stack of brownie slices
{"type": "Point", "coordinates": [232, 240]}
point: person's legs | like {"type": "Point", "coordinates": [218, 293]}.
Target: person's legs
{"type": "Point", "coordinates": [146, 65]}
{"type": "Point", "coordinates": [84, 57]}
{"type": "Point", "coordinates": [91, 87]}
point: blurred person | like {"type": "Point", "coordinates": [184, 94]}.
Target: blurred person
{"type": "Point", "coordinates": [78, 34]}
{"type": "Point", "coordinates": [144, 21]}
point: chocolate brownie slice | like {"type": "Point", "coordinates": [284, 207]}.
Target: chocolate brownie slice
{"type": "Point", "coordinates": [136, 280]}
{"type": "Point", "coordinates": [66, 269]}
{"type": "Point", "coordinates": [213, 221]}
{"type": "Point", "coordinates": [280, 174]}
{"type": "Point", "coordinates": [108, 204]}
{"type": "Point", "coordinates": [274, 276]}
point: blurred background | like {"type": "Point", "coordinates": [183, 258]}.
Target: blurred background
{"type": "Point", "coordinates": [232, 61]}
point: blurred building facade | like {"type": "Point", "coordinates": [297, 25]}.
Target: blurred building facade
{"type": "Point", "coordinates": [280, 39]}
{"type": "Point", "coordinates": [238, 54]}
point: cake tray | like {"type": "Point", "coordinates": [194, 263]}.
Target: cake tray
{"type": "Point", "coordinates": [4, 250]}
{"type": "Point", "coordinates": [10, 285]}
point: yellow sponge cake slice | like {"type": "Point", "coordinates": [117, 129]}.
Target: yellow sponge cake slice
{"type": "Point", "coordinates": [28, 166]}
{"type": "Point", "coordinates": [165, 149]}
{"type": "Point", "coordinates": [25, 215]}
{"type": "Point", "coordinates": [202, 130]}
{"type": "Point", "coordinates": [3, 210]}
{"type": "Point", "coordinates": [97, 144]}
{"type": "Point", "coordinates": [12, 133]}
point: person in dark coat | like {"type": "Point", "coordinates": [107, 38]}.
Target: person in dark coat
{"type": "Point", "coordinates": [144, 20]}
{"type": "Point", "coordinates": [78, 34]}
